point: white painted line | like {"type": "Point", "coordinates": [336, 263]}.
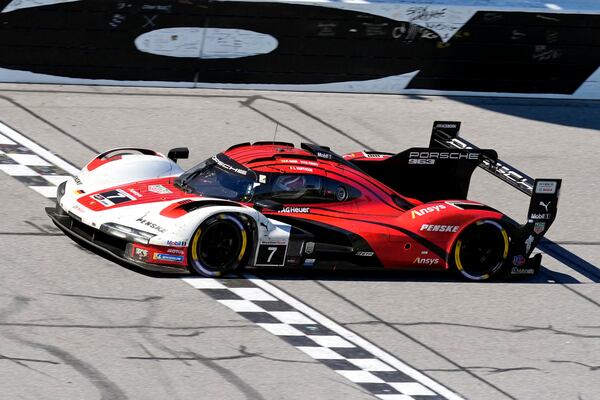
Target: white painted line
{"type": "Point", "coordinates": [18, 170]}
{"type": "Point", "coordinates": [360, 376]}
{"type": "Point", "coordinates": [5, 140]}
{"type": "Point", "coordinates": [320, 353]}
{"type": "Point", "coordinates": [241, 305]}
{"type": "Point", "coordinates": [291, 317]}
{"type": "Point", "coordinates": [354, 338]}
{"type": "Point", "coordinates": [330, 341]}
{"type": "Point", "coordinates": [281, 329]}
{"type": "Point", "coordinates": [29, 159]}
{"type": "Point", "coordinates": [371, 364]}
{"type": "Point", "coordinates": [203, 283]}
{"type": "Point", "coordinates": [46, 191]}
{"type": "Point", "coordinates": [394, 397]}
{"type": "Point", "coordinates": [255, 294]}
{"type": "Point", "coordinates": [36, 148]}
{"type": "Point", "coordinates": [411, 388]}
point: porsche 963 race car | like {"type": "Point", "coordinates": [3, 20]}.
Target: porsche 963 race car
{"type": "Point", "coordinates": [270, 204]}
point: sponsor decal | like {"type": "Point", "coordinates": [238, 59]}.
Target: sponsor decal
{"type": "Point", "coordinates": [309, 247]}
{"type": "Point", "coordinates": [497, 167]}
{"type": "Point", "coordinates": [375, 155]}
{"type": "Point", "coordinates": [426, 261]}
{"type": "Point", "coordinates": [175, 251]}
{"type": "Point", "coordinates": [508, 173]}
{"type": "Point", "coordinates": [300, 168]}
{"type": "Point", "coordinates": [427, 210]}
{"type": "Point", "coordinates": [545, 187]}
{"type": "Point", "coordinates": [135, 193]}
{"type": "Point", "coordinates": [545, 205]}
{"type": "Point", "coordinates": [364, 253]}
{"type": "Point", "coordinates": [320, 154]}
{"type": "Point", "coordinates": [519, 260]}
{"type": "Point", "coordinates": [262, 178]}
{"type": "Point", "coordinates": [298, 210]}
{"type": "Point", "coordinates": [140, 254]}
{"type": "Point", "coordinates": [540, 216]}
{"type": "Point", "coordinates": [77, 207]}
{"type": "Point", "coordinates": [229, 167]}
{"type": "Point", "coordinates": [160, 189]}
{"type": "Point", "coordinates": [439, 228]}
{"type": "Point", "coordinates": [309, 262]}
{"type": "Point", "coordinates": [539, 227]}
{"type": "Point", "coordinates": [77, 180]}
{"type": "Point", "coordinates": [168, 257]}
{"type": "Point", "coordinates": [177, 243]}
{"type": "Point", "coordinates": [522, 271]}
{"type": "Point", "coordinates": [429, 157]}
{"type": "Point", "coordinates": [79, 191]}
{"type": "Point", "coordinates": [150, 224]}
{"type": "Point", "coordinates": [528, 243]}
{"type": "Point", "coordinates": [448, 126]}
{"type": "Point", "coordinates": [296, 161]}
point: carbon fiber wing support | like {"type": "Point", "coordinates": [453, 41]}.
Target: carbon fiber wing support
{"type": "Point", "coordinates": [544, 194]}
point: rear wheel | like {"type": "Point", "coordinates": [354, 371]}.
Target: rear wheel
{"type": "Point", "coordinates": [481, 250]}
{"type": "Point", "coordinates": [218, 246]}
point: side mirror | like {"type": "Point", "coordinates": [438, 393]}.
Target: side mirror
{"type": "Point", "coordinates": [178, 153]}
{"type": "Point", "coordinates": [260, 205]}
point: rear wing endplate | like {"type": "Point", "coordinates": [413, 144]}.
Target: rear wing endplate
{"type": "Point", "coordinates": [544, 193]}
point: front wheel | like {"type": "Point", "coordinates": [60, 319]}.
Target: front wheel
{"type": "Point", "coordinates": [481, 250]}
{"type": "Point", "coordinates": [218, 246]}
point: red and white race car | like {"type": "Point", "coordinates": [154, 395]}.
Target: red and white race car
{"type": "Point", "coordinates": [270, 204]}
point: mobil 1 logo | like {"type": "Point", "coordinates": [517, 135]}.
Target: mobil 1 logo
{"type": "Point", "coordinates": [272, 255]}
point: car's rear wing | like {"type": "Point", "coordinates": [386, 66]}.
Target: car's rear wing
{"type": "Point", "coordinates": [543, 192]}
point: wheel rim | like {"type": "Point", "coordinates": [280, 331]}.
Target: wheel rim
{"type": "Point", "coordinates": [481, 250]}
{"type": "Point", "coordinates": [219, 246]}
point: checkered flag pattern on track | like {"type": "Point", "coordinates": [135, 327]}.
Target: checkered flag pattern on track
{"type": "Point", "coordinates": [29, 168]}
{"type": "Point", "coordinates": [312, 338]}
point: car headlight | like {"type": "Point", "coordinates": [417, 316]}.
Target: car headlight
{"type": "Point", "coordinates": [126, 232]}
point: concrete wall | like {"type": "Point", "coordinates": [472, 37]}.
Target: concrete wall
{"type": "Point", "coordinates": [510, 48]}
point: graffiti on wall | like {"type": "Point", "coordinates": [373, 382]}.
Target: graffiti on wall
{"type": "Point", "coordinates": [332, 45]}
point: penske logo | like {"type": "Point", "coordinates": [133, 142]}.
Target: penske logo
{"type": "Point", "coordinates": [439, 228]}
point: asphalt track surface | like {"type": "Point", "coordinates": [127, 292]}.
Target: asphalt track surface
{"type": "Point", "coordinates": [74, 325]}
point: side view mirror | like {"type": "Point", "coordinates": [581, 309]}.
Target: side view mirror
{"type": "Point", "coordinates": [260, 205]}
{"type": "Point", "coordinates": [178, 153]}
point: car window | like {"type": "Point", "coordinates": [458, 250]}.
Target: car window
{"type": "Point", "coordinates": [298, 189]}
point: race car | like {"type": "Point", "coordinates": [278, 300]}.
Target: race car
{"type": "Point", "coordinates": [271, 204]}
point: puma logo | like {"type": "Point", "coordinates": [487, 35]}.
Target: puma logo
{"type": "Point", "coordinates": [545, 205]}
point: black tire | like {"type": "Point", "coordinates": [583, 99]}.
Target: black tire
{"type": "Point", "coordinates": [480, 251]}
{"type": "Point", "coordinates": [218, 246]}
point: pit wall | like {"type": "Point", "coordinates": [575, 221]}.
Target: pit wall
{"type": "Point", "coordinates": [502, 48]}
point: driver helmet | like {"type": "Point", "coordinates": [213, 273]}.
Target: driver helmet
{"type": "Point", "coordinates": [290, 183]}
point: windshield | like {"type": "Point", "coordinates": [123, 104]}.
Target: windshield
{"type": "Point", "coordinates": [219, 177]}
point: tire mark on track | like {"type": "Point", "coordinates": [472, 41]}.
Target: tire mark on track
{"type": "Point", "coordinates": [415, 340]}
{"type": "Point", "coordinates": [108, 389]}
{"type": "Point", "coordinates": [230, 377]}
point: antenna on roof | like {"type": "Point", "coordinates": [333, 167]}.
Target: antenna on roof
{"type": "Point", "coordinates": [275, 134]}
